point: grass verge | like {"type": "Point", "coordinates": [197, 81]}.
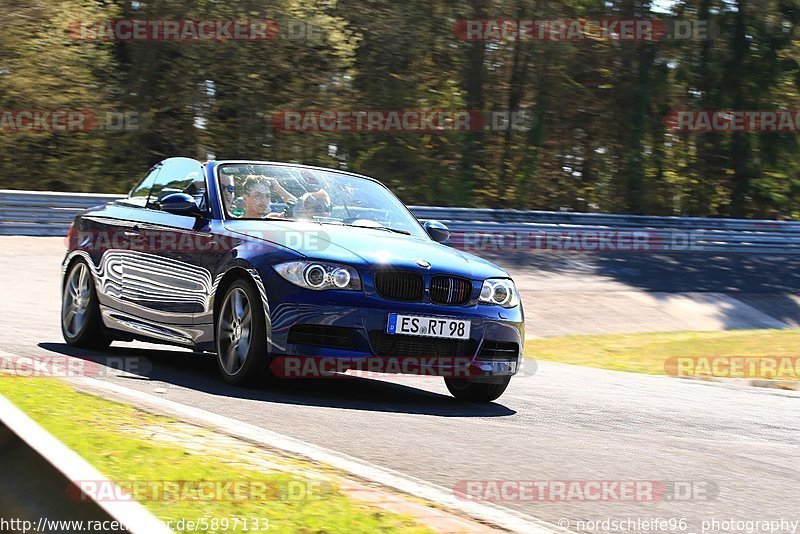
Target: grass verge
{"type": "Point", "coordinates": [649, 352]}
{"type": "Point", "coordinates": [128, 445]}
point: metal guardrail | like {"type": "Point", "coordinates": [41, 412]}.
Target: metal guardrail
{"type": "Point", "coordinates": [49, 214]}
{"type": "Point", "coordinates": [38, 475]}
{"type": "Point", "coordinates": [42, 213]}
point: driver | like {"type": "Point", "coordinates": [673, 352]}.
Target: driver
{"type": "Point", "coordinates": [257, 197]}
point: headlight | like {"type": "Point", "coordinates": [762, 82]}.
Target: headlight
{"type": "Point", "coordinates": [499, 291]}
{"type": "Point", "coordinates": [319, 275]}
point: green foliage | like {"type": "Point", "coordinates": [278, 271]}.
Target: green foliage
{"type": "Point", "coordinates": [597, 138]}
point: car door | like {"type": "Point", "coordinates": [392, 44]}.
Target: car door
{"type": "Point", "coordinates": [163, 276]}
{"type": "Point", "coordinates": [104, 235]}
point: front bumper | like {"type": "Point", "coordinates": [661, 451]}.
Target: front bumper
{"type": "Point", "coordinates": [371, 349]}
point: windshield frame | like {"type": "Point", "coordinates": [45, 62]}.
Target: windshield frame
{"type": "Point", "coordinates": [225, 217]}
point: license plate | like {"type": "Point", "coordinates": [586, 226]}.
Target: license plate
{"type": "Point", "coordinates": [416, 325]}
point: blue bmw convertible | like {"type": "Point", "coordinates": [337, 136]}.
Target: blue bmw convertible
{"type": "Point", "coordinates": [288, 270]}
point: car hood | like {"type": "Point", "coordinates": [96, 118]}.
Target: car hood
{"type": "Point", "coordinates": [365, 247]}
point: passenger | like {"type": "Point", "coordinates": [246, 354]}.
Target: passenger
{"type": "Point", "coordinates": [228, 190]}
{"type": "Point", "coordinates": [315, 204]}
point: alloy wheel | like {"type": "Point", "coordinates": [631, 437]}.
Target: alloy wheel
{"type": "Point", "coordinates": [235, 329]}
{"type": "Point", "coordinates": [77, 297]}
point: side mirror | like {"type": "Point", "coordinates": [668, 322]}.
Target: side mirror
{"type": "Point", "coordinates": [180, 204]}
{"type": "Point", "coordinates": [437, 231]}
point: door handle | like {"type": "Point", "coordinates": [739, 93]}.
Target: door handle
{"type": "Point", "coordinates": [133, 232]}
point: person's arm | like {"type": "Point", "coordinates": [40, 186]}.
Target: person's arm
{"type": "Point", "coordinates": [286, 196]}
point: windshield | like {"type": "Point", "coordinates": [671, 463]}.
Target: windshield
{"type": "Point", "coordinates": [266, 191]}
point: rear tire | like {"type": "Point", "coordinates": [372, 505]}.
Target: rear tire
{"type": "Point", "coordinates": [241, 334]}
{"type": "Point", "coordinates": [81, 323]}
{"type": "Point", "coordinates": [469, 390]}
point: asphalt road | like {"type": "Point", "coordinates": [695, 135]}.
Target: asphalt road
{"type": "Point", "coordinates": [560, 424]}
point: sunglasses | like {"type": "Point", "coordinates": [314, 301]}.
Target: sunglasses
{"type": "Point", "coordinates": [228, 188]}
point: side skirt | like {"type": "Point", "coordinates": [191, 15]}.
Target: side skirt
{"type": "Point", "coordinates": [190, 336]}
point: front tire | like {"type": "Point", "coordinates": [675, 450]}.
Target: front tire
{"type": "Point", "coordinates": [469, 390]}
{"type": "Point", "coordinates": [241, 335]}
{"type": "Point", "coordinates": [81, 324]}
